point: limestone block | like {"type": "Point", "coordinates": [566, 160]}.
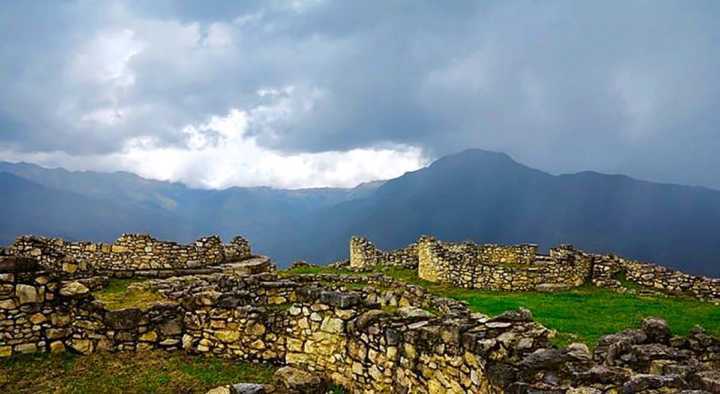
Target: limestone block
{"type": "Point", "coordinates": [73, 289]}
{"type": "Point", "coordinates": [332, 325]}
{"type": "Point", "coordinates": [27, 294]}
{"type": "Point", "coordinates": [57, 347]}
{"type": "Point", "coordinates": [227, 336]}
{"type": "Point", "coordinates": [60, 319]}
{"type": "Point", "coordinates": [256, 329]}
{"type": "Point", "coordinates": [83, 346]}
{"type": "Point", "coordinates": [5, 351]}
{"type": "Point", "coordinates": [119, 249]}
{"type": "Point", "coordinates": [26, 348]}
{"type": "Point", "coordinates": [69, 267]}
{"type": "Point", "coordinates": [37, 318]}
{"type": "Point", "coordinates": [150, 336]}
{"type": "Point", "coordinates": [8, 304]}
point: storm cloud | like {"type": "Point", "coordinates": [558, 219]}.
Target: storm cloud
{"type": "Point", "coordinates": [312, 93]}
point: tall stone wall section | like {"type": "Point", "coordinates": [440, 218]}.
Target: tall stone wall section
{"type": "Point", "coordinates": [131, 253]}
{"type": "Point", "coordinates": [494, 267]}
{"type": "Point", "coordinates": [365, 255]}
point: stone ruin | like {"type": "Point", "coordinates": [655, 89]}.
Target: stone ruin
{"type": "Point", "coordinates": [522, 268]}
{"type": "Point", "coordinates": [369, 333]}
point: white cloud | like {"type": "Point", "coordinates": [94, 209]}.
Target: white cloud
{"type": "Point", "coordinates": [220, 153]}
{"type": "Point", "coordinates": [235, 158]}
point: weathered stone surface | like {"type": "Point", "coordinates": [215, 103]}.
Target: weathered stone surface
{"type": "Point", "coordinates": [295, 380]}
{"type": "Point", "coordinates": [123, 319]}
{"type": "Point", "coordinates": [8, 304]}
{"type": "Point", "coordinates": [18, 264]}
{"type": "Point", "coordinates": [57, 347]}
{"type": "Point", "coordinates": [656, 330]}
{"type": "Point", "coordinates": [73, 289]}
{"type": "Point", "coordinates": [27, 294]}
{"type": "Point", "coordinates": [26, 348]}
{"type": "Point", "coordinates": [5, 351]}
{"type": "Point", "coordinates": [220, 390]}
{"type": "Point", "coordinates": [83, 346]}
{"type": "Point", "coordinates": [227, 336]}
{"type": "Point", "coordinates": [340, 300]}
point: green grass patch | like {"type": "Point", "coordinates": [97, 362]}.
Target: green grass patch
{"type": "Point", "coordinates": [583, 314]}
{"type": "Point", "coordinates": [125, 372]}
{"type": "Point", "coordinates": [118, 294]}
{"type": "Point", "coordinates": [590, 312]}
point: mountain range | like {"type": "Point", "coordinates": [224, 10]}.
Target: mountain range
{"type": "Point", "coordinates": [473, 195]}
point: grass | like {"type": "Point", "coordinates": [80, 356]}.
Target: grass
{"type": "Point", "coordinates": [119, 295]}
{"type": "Point", "coordinates": [125, 372]}
{"type": "Point", "coordinates": [583, 314]}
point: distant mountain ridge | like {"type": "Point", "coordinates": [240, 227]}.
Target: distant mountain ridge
{"type": "Point", "coordinates": [476, 195]}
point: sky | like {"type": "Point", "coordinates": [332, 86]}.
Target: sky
{"type": "Point", "coordinates": [308, 93]}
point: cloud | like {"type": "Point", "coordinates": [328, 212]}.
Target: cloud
{"type": "Point", "coordinates": [567, 86]}
{"type": "Point", "coordinates": [220, 154]}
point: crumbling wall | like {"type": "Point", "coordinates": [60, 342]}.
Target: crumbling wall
{"type": "Point", "coordinates": [494, 267]}
{"type": "Point", "coordinates": [658, 278]}
{"type": "Point", "coordinates": [131, 252]}
{"type": "Point", "coordinates": [365, 255]}
{"type": "Point", "coordinates": [41, 313]}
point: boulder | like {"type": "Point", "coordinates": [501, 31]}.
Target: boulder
{"type": "Point", "coordinates": [298, 381]}
{"type": "Point", "coordinates": [656, 330]}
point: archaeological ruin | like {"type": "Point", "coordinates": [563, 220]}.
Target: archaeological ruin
{"type": "Point", "coordinates": [369, 333]}
{"type": "Point", "coordinates": [522, 268]}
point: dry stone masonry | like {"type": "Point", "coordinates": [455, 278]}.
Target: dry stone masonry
{"type": "Point", "coordinates": [369, 333]}
{"type": "Point", "coordinates": [138, 254]}
{"type": "Point", "coordinates": [364, 254]}
{"type": "Point", "coordinates": [522, 268]}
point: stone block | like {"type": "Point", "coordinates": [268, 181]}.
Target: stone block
{"type": "Point", "coordinates": [6, 351]}
{"type": "Point", "coordinates": [83, 346]}
{"type": "Point", "coordinates": [8, 304]}
{"type": "Point", "coordinates": [26, 348]}
{"type": "Point", "coordinates": [27, 294]}
{"type": "Point", "coordinates": [57, 347]}
{"type": "Point", "coordinates": [73, 289]}
{"type": "Point", "coordinates": [227, 336]}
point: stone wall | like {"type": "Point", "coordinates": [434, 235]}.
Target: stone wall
{"type": "Point", "coordinates": [494, 267]}
{"type": "Point", "coordinates": [130, 254]}
{"type": "Point", "coordinates": [371, 334]}
{"type": "Point", "coordinates": [607, 270]}
{"type": "Point", "coordinates": [365, 255]}
{"type": "Point", "coordinates": [522, 268]}
{"type": "Point", "coordinates": [41, 313]}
